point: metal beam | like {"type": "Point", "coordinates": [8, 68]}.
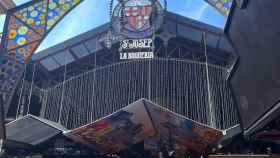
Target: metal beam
{"type": "Point", "coordinates": [5, 5]}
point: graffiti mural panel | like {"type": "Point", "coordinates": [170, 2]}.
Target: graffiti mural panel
{"type": "Point", "coordinates": [183, 133]}
{"type": "Point", "coordinates": [117, 131]}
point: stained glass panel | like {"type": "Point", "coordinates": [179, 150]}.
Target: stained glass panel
{"type": "Point", "coordinates": [23, 53]}
{"type": "Point", "coordinates": [223, 6]}
{"type": "Point", "coordinates": [34, 16]}
{"type": "Point", "coordinates": [58, 8]}
{"type": "Point", "coordinates": [20, 34]}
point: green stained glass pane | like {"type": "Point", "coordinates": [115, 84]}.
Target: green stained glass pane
{"type": "Point", "coordinates": [19, 34]}
{"type": "Point", "coordinates": [34, 16]}
{"type": "Point", "coordinates": [58, 8]}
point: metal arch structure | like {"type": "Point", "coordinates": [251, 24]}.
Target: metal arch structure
{"type": "Point", "coordinates": [25, 28]}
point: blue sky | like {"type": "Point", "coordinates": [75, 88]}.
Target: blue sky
{"type": "Point", "coordinates": [93, 13]}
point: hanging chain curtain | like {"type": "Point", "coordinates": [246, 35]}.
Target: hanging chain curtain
{"type": "Point", "coordinates": [179, 85]}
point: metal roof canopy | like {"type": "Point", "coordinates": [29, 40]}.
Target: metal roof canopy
{"type": "Point", "coordinates": [32, 130]}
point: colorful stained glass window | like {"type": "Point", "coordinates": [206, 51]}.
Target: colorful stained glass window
{"type": "Point", "coordinates": [23, 53]}
{"type": "Point", "coordinates": [58, 8]}
{"type": "Point", "coordinates": [19, 34]}
{"type": "Point", "coordinates": [34, 16]}
{"type": "Point", "coordinates": [27, 26]}
{"type": "Point", "coordinates": [223, 6]}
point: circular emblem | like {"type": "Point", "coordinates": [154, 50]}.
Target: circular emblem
{"type": "Point", "coordinates": [137, 18]}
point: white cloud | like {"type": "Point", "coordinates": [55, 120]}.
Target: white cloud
{"type": "Point", "coordinates": [194, 9]}
{"type": "Point", "coordinates": [19, 2]}
{"type": "Point", "coordinates": [2, 21]}
{"type": "Point", "coordinates": [197, 14]}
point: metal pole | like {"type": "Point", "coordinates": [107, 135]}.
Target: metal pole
{"type": "Point", "coordinates": [212, 118]}
{"type": "Point", "coordinates": [2, 127]}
